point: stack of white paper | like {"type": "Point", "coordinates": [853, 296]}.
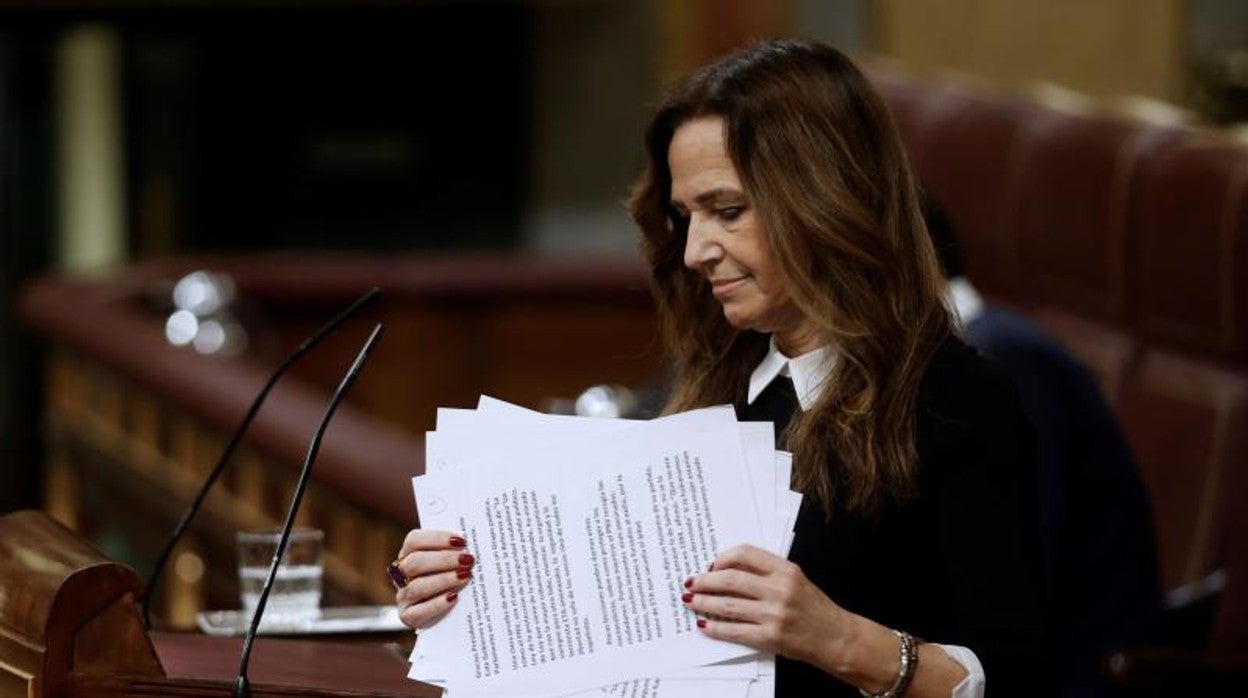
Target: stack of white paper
{"type": "Point", "coordinates": [584, 531]}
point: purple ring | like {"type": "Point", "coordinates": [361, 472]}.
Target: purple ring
{"type": "Point", "coordinates": [396, 575]}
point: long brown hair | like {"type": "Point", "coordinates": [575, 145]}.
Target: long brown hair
{"type": "Point", "coordinates": [823, 166]}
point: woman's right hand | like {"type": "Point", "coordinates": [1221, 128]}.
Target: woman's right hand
{"type": "Point", "coordinates": [436, 565]}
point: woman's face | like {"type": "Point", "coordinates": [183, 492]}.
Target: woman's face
{"type": "Point", "coordinates": [726, 243]}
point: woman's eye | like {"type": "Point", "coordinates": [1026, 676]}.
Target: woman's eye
{"type": "Point", "coordinates": [731, 213]}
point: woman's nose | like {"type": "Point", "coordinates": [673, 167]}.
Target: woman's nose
{"type": "Point", "coordinates": [700, 248]}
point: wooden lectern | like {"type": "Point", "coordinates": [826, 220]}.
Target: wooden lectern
{"type": "Point", "coordinates": [69, 627]}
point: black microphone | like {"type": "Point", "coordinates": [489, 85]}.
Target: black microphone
{"type": "Point", "coordinates": [163, 559]}
{"type": "Point", "coordinates": [242, 688]}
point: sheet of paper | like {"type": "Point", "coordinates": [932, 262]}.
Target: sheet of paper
{"type": "Point", "coordinates": [585, 591]}
{"type": "Point", "coordinates": [756, 437]}
{"type": "Point", "coordinates": [458, 445]}
{"type": "Point", "coordinates": [458, 441]}
{"type": "Point", "coordinates": [654, 688]}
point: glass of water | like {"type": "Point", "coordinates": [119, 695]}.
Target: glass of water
{"type": "Point", "coordinates": [296, 594]}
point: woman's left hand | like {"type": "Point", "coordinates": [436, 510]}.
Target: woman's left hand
{"type": "Point", "coordinates": [757, 599]}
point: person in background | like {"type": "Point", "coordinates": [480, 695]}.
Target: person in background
{"type": "Point", "coordinates": [794, 279]}
{"type": "Point", "coordinates": [1096, 526]}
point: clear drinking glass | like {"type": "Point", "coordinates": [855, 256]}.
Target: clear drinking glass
{"type": "Point", "coordinates": [296, 593]}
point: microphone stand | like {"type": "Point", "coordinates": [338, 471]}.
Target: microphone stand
{"type": "Point", "coordinates": [162, 560]}
{"type": "Point", "coordinates": [242, 687]}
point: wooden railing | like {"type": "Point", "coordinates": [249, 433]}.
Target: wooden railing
{"type": "Point", "coordinates": [133, 424]}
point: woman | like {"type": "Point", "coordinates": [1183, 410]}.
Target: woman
{"type": "Point", "coordinates": [785, 240]}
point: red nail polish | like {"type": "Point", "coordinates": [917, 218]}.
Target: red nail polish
{"type": "Point", "coordinates": [463, 574]}
{"type": "Point", "coordinates": [701, 622]}
{"type": "Point", "coordinates": [455, 595]}
{"type": "Point", "coordinates": [686, 597]}
{"type": "Point", "coordinates": [458, 542]}
{"type": "Point", "coordinates": [466, 559]}
{"type": "Point", "coordinates": [689, 583]}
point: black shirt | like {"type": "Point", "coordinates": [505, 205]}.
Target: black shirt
{"type": "Point", "coordinates": [958, 564]}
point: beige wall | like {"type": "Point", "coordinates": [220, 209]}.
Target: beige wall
{"type": "Point", "coordinates": [594, 82]}
{"type": "Point", "coordinates": [1103, 47]}
{"type": "Point", "coordinates": [693, 33]}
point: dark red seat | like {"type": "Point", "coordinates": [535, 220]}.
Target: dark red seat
{"type": "Point", "coordinates": [1188, 422]}
{"type": "Point", "coordinates": [1189, 258]}
{"type": "Point", "coordinates": [907, 103]}
{"type": "Point", "coordinates": [1071, 211]}
{"type": "Point", "coordinates": [966, 162]}
{"type": "Point", "coordinates": [1128, 243]}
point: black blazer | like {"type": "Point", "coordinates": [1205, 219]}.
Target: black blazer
{"type": "Point", "coordinates": [1100, 554]}
{"type": "Point", "coordinates": [958, 564]}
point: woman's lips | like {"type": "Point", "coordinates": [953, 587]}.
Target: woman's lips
{"type": "Point", "coordinates": [724, 286]}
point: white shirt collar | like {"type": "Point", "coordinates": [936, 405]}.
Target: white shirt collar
{"type": "Point", "coordinates": [808, 371]}
{"type": "Point", "coordinates": [965, 299]}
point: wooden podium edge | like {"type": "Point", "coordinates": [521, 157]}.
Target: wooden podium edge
{"type": "Point", "coordinates": [69, 627]}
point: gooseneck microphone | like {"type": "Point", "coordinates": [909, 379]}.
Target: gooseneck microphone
{"type": "Point", "coordinates": [242, 688]}
{"type": "Point", "coordinates": [163, 559]}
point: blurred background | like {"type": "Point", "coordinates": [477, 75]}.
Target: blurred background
{"type": "Point", "coordinates": [131, 130]}
{"type": "Point", "coordinates": [471, 156]}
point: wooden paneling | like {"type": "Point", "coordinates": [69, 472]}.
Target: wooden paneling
{"type": "Point", "coordinates": [134, 425]}
{"type": "Point", "coordinates": [694, 33]}
{"type": "Point", "coordinates": [1106, 47]}
{"type": "Point", "coordinates": [17, 682]}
